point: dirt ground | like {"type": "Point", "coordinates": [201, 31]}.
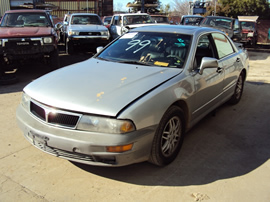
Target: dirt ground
{"type": "Point", "coordinates": [224, 158]}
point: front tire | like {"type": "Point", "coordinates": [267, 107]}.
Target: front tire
{"type": "Point", "coordinates": [54, 62]}
{"type": "Point", "coordinates": [69, 47]}
{"type": "Point", "coordinates": [236, 97]}
{"type": "Point", "coordinates": [168, 138]}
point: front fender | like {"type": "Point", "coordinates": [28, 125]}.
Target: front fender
{"type": "Point", "coordinates": [149, 109]}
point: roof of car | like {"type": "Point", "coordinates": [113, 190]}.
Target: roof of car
{"type": "Point", "coordinates": [223, 17]}
{"type": "Point", "coordinates": [84, 14]}
{"type": "Point", "coordinates": [193, 16]}
{"type": "Point", "coordinates": [132, 14]}
{"type": "Point", "coordinates": [159, 15]}
{"type": "Point", "coordinates": [27, 11]}
{"type": "Point", "coordinates": [185, 29]}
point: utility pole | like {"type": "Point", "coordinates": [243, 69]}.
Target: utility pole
{"type": "Point", "coordinates": [142, 8]}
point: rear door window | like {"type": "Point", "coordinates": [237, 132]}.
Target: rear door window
{"type": "Point", "coordinates": [224, 47]}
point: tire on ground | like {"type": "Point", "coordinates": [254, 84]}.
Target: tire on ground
{"type": "Point", "coordinates": [169, 137]}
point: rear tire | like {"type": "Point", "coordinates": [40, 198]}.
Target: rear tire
{"type": "Point", "coordinates": [168, 138]}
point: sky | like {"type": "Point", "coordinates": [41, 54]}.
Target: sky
{"type": "Point", "coordinates": [117, 3]}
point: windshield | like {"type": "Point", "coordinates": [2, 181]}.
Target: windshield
{"type": "Point", "coordinates": [25, 20]}
{"type": "Point", "coordinates": [137, 19]}
{"type": "Point", "coordinates": [192, 20]}
{"type": "Point", "coordinates": [86, 20]}
{"type": "Point", "coordinates": [248, 25]}
{"type": "Point", "coordinates": [148, 48]}
{"type": "Point", "coordinates": [107, 19]}
{"type": "Point", "coordinates": [219, 22]}
{"type": "Point", "coordinates": [160, 19]}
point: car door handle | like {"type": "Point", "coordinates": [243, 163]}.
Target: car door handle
{"type": "Point", "coordinates": [219, 70]}
{"type": "Point", "coordinates": [238, 60]}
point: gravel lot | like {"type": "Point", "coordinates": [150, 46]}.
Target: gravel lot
{"type": "Point", "coordinates": [224, 158]}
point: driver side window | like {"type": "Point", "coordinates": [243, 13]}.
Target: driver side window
{"type": "Point", "coordinates": [204, 49]}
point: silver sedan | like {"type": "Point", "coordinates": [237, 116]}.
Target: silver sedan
{"type": "Point", "coordinates": [134, 100]}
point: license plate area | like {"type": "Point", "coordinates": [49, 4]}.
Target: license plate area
{"type": "Point", "coordinates": [38, 140]}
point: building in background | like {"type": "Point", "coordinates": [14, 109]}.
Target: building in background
{"type": "Point", "coordinates": [60, 7]}
{"type": "Point", "coordinates": [5, 5]}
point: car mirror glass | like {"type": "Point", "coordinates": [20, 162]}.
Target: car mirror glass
{"type": "Point", "coordinates": [208, 62]}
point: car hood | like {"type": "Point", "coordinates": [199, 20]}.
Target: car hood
{"type": "Point", "coordinates": [88, 27]}
{"type": "Point", "coordinates": [97, 87]}
{"type": "Point", "coordinates": [24, 31]}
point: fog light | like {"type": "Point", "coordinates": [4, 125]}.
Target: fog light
{"type": "Point", "coordinates": [122, 148]}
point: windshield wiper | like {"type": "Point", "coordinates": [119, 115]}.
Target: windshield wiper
{"type": "Point", "coordinates": [101, 58]}
{"type": "Point", "coordinates": [31, 25]}
{"type": "Point", "coordinates": [134, 62]}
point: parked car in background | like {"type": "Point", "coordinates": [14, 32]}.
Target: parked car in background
{"type": "Point", "coordinates": [249, 29]}
{"type": "Point", "coordinates": [122, 23]}
{"type": "Point", "coordinates": [230, 26]}
{"type": "Point", "coordinates": [81, 29]}
{"type": "Point", "coordinates": [135, 99]}
{"type": "Point", "coordinates": [27, 35]}
{"type": "Point", "coordinates": [106, 20]}
{"type": "Point", "coordinates": [163, 19]}
{"type": "Point", "coordinates": [191, 20]}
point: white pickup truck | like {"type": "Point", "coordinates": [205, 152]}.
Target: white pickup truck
{"type": "Point", "coordinates": [84, 29]}
{"type": "Point", "coordinates": [121, 23]}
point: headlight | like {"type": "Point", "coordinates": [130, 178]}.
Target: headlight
{"type": "Point", "coordinates": [105, 125]}
{"type": "Point", "coordinates": [104, 33]}
{"type": "Point", "coordinates": [250, 34]}
{"type": "Point", "coordinates": [71, 32]}
{"type": "Point", "coordinates": [47, 40]}
{"type": "Point", "coordinates": [25, 101]}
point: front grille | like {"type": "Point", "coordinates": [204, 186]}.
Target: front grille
{"type": "Point", "coordinates": [90, 33]}
{"type": "Point", "coordinates": [63, 119]}
{"type": "Point", "coordinates": [25, 46]}
{"type": "Point", "coordinates": [244, 35]}
{"type": "Point", "coordinates": [54, 117]}
{"type": "Point", "coordinates": [38, 111]}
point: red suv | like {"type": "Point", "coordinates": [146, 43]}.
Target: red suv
{"type": "Point", "coordinates": [27, 34]}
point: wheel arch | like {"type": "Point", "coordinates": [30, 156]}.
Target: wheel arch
{"type": "Point", "coordinates": [244, 73]}
{"type": "Point", "coordinates": [184, 107]}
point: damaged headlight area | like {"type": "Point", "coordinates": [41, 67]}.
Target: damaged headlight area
{"type": "Point", "coordinates": [105, 125]}
{"type": "Point", "coordinates": [47, 40]}
{"type": "Point", "coordinates": [72, 32]}
{"type": "Point", "coordinates": [104, 33]}
{"type": "Point", "coordinates": [25, 101]}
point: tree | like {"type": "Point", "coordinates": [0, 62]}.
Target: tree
{"type": "Point", "coordinates": [234, 8]}
{"type": "Point", "coordinates": [181, 7]}
{"type": "Point", "coordinates": [165, 9]}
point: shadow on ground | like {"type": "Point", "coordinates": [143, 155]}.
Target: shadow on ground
{"type": "Point", "coordinates": [32, 70]}
{"type": "Point", "coordinates": [226, 145]}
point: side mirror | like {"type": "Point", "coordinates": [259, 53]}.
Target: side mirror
{"type": "Point", "coordinates": [208, 62]}
{"type": "Point", "coordinates": [125, 29]}
{"type": "Point", "coordinates": [99, 49]}
{"type": "Point", "coordinates": [58, 25]}
{"type": "Point", "coordinates": [65, 23]}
